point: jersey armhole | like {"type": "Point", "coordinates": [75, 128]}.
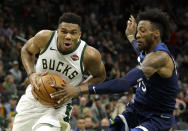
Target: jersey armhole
{"type": "Point", "coordinates": [172, 58]}
{"type": "Point", "coordinates": [82, 57]}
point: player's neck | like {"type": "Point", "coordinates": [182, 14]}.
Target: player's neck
{"type": "Point", "coordinates": [155, 43]}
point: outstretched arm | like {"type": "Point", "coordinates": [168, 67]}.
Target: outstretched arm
{"type": "Point", "coordinates": [155, 62]}
{"type": "Point", "coordinates": [118, 85]}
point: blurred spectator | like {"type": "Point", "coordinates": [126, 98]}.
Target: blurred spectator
{"type": "Point", "coordinates": [11, 105]}
{"type": "Point", "coordinates": [88, 113]}
{"type": "Point", "coordinates": [16, 72]}
{"type": "Point", "coordinates": [3, 111]}
{"type": "Point", "coordinates": [98, 109]}
{"type": "Point", "coordinates": [1, 76]}
{"type": "Point", "coordinates": [4, 62]}
{"type": "Point", "coordinates": [3, 123]}
{"type": "Point", "coordinates": [181, 58]}
{"type": "Point", "coordinates": [2, 30]}
{"type": "Point", "coordinates": [15, 52]}
{"type": "Point", "coordinates": [9, 84]}
{"type": "Point", "coordinates": [3, 115]}
{"type": "Point", "coordinates": [179, 124]}
{"type": "Point", "coordinates": [74, 116]}
{"type": "Point", "coordinates": [115, 71]}
{"type": "Point", "coordinates": [104, 126]}
{"type": "Point", "coordinates": [89, 124]}
{"type": "Point", "coordinates": [83, 103]}
{"type": "Point", "coordinates": [80, 126]}
{"type": "Point", "coordinates": [104, 99]}
{"type": "Point", "coordinates": [89, 101]}
{"type": "Point", "coordinates": [109, 108]}
{"type": "Point", "coordinates": [2, 73]}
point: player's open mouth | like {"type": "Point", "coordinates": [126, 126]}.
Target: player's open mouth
{"type": "Point", "coordinates": [67, 45]}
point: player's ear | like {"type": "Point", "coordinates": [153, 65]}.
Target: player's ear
{"type": "Point", "coordinates": [58, 29]}
{"type": "Point", "coordinates": [157, 34]}
{"type": "Point", "coordinates": [80, 34]}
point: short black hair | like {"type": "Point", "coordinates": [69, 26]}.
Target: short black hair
{"type": "Point", "coordinates": [159, 19]}
{"type": "Point", "coordinates": [70, 18]}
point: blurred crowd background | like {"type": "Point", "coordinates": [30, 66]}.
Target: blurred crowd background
{"type": "Point", "coordinates": [103, 26]}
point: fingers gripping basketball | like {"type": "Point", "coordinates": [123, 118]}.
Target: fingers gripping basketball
{"type": "Point", "coordinates": [45, 89]}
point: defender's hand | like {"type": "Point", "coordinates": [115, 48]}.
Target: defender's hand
{"type": "Point", "coordinates": [66, 93]}
{"type": "Point", "coordinates": [131, 28]}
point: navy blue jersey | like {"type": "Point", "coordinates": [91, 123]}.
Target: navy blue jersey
{"type": "Point", "coordinates": [157, 93]}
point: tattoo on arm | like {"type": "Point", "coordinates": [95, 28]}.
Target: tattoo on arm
{"type": "Point", "coordinates": [153, 62]}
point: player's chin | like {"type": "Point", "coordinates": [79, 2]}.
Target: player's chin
{"type": "Point", "coordinates": [140, 46]}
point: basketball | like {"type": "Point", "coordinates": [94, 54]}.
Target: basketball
{"type": "Point", "coordinates": [45, 89]}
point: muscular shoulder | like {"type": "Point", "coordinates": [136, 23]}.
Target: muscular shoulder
{"type": "Point", "coordinates": [94, 65]}
{"type": "Point", "coordinates": [42, 38]}
{"type": "Point", "coordinates": [91, 56]}
{"type": "Point", "coordinates": [159, 62]}
{"type": "Point", "coordinates": [167, 68]}
{"type": "Point", "coordinates": [159, 57]}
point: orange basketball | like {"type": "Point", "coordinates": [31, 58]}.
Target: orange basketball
{"type": "Point", "coordinates": [45, 89]}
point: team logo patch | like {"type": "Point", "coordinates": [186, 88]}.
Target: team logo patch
{"type": "Point", "coordinates": [75, 57]}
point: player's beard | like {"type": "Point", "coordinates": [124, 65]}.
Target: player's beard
{"type": "Point", "coordinates": [147, 45]}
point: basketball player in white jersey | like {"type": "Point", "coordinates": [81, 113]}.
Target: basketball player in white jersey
{"type": "Point", "coordinates": [63, 53]}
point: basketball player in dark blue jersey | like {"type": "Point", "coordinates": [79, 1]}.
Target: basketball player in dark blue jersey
{"type": "Point", "coordinates": [156, 78]}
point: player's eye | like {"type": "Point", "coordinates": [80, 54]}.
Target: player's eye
{"type": "Point", "coordinates": [73, 33]}
{"type": "Point", "coordinates": [142, 31]}
{"type": "Point", "coordinates": [64, 32]}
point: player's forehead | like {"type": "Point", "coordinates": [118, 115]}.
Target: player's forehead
{"type": "Point", "coordinates": [144, 24]}
{"type": "Point", "coordinates": [68, 26]}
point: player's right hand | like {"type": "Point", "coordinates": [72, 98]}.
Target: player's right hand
{"type": "Point", "coordinates": [35, 79]}
{"type": "Point", "coordinates": [131, 27]}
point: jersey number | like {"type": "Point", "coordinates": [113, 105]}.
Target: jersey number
{"type": "Point", "coordinates": [142, 86]}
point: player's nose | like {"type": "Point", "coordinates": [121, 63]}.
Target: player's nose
{"type": "Point", "coordinates": [138, 36]}
{"type": "Point", "coordinates": [68, 36]}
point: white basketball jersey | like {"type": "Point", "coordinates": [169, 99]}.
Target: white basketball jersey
{"type": "Point", "coordinates": [68, 66]}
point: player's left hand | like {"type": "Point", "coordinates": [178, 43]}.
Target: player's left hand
{"type": "Point", "coordinates": [66, 93]}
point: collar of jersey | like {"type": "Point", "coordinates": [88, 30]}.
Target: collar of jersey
{"type": "Point", "coordinates": [68, 52]}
